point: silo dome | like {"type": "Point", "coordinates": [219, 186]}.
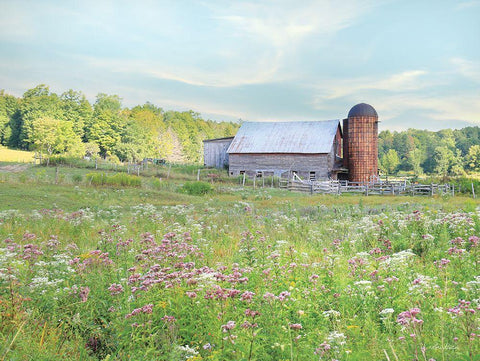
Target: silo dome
{"type": "Point", "coordinates": [362, 110]}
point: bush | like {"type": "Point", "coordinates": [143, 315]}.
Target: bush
{"type": "Point", "coordinates": [464, 185]}
{"type": "Point", "coordinates": [196, 188]}
{"type": "Point", "coordinates": [77, 178]}
{"type": "Point", "coordinates": [119, 179]}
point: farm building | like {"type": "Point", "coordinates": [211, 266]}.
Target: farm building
{"type": "Point", "coordinates": [312, 150]}
{"type": "Point", "coordinates": [215, 152]}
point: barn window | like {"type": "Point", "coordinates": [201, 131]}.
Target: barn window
{"type": "Point", "coordinates": [312, 176]}
{"type": "Point", "coordinates": [242, 172]}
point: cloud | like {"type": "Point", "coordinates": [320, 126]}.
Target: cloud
{"type": "Point", "coordinates": [431, 94]}
{"type": "Point", "coordinates": [467, 68]}
{"type": "Point", "coordinates": [404, 81]}
{"type": "Point", "coordinates": [467, 4]}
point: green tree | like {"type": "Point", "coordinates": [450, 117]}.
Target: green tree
{"type": "Point", "coordinates": [106, 126]}
{"type": "Point", "coordinates": [444, 158]}
{"type": "Point", "coordinates": [55, 136]}
{"type": "Point", "coordinates": [76, 109]}
{"type": "Point", "coordinates": [37, 103]}
{"type": "Point", "coordinates": [473, 158]}
{"type": "Point", "coordinates": [390, 161]}
{"type": "Point", "coordinates": [414, 160]}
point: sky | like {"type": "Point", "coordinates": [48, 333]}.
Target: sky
{"type": "Point", "coordinates": [417, 62]}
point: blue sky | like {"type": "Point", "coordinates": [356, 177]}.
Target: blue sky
{"type": "Point", "coordinates": [416, 62]}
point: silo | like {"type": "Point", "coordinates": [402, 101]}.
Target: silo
{"type": "Point", "coordinates": [360, 153]}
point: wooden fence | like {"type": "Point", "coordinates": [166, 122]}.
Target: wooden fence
{"type": "Point", "coordinates": [377, 188]}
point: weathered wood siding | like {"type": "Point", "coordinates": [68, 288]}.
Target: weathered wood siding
{"type": "Point", "coordinates": [215, 152]}
{"type": "Point", "coordinates": [278, 164]}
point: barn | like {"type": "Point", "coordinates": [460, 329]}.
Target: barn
{"type": "Point", "coordinates": [309, 149]}
{"type": "Point", "coordinates": [313, 150]}
{"type": "Point", "coordinates": [215, 152]}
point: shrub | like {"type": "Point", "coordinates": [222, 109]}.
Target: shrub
{"type": "Point", "coordinates": [196, 188]}
{"type": "Point", "coordinates": [77, 178]}
{"type": "Point", "coordinates": [119, 179]}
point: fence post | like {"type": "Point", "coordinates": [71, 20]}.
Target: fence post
{"type": "Point", "coordinates": [198, 175]}
{"type": "Point", "coordinates": [366, 189]}
{"type": "Point", "coordinates": [473, 191]}
{"type": "Point", "coordinates": [243, 183]}
{"type": "Point", "coordinates": [56, 176]}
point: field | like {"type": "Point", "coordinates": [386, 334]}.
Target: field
{"type": "Point", "coordinates": [149, 272]}
{"type": "Point", "coordinates": [12, 155]}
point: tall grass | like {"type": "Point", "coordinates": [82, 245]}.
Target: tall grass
{"type": "Point", "coordinates": [118, 179]}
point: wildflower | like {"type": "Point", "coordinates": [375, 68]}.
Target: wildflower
{"type": "Point", "coordinates": [247, 296]}
{"type": "Point", "coordinates": [147, 309]}
{"type": "Point", "coordinates": [442, 263]}
{"type": "Point", "coordinates": [322, 349]}
{"type": "Point", "coordinates": [474, 241]}
{"type": "Point", "coordinates": [230, 325]}
{"type": "Point", "coordinates": [168, 319]}
{"type": "Point", "coordinates": [338, 338]}
{"type": "Point", "coordinates": [191, 294]}
{"type": "Point", "coordinates": [331, 313]}
{"type": "Point", "coordinates": [115, 289]}
{"type": "Point", "coordinates": [295, 326]}
{"type": "Point", "coordinates": [385, 313]}
{"type": "Point", "coordinates": [248, 324]}
{"type": "Point", "coordinates": [284, 295]}
{"type": "Point", "coordinates": [251, 313]}
{"type": "Point", "coordinates": [407, 318]}
{"type": "Point", "coordinates": [84, 291]}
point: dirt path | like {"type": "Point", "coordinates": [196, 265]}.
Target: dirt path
{"type": "Point", "coordinates": [14, 168]}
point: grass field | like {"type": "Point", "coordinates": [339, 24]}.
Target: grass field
{"type": "Point", "coordinates": [151, 273]}
{"type": "Point", "coordinates": [11, 155]}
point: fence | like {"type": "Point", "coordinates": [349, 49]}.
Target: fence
{"type": "Point", "coordinates": [377, 188]}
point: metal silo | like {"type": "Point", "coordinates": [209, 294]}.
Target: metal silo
{"type": "Point", "coordinates": [360, 131]}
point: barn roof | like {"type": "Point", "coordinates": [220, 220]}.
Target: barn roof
{"type": "Point", "coordinates": [285, 137]}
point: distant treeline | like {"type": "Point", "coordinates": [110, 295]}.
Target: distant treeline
{"type": "Point", "coordinates": [446, 152]}
{"type": "Point", "coordinates": [68, 124]}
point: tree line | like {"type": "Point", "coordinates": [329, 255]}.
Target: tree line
{"type": "Point", "coordinates": [69, 124]}
{"type": "Point", "coordinates": [446, 152]}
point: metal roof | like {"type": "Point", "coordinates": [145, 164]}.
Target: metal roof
{"type": "Point", "coordinates": [285, 137]}
{"type": "Point", "coordinates": [362, 110]}
{"type": "Point", "coordinates": [217, 139]}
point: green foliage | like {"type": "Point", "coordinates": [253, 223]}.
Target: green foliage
{"type": "Point", "coordinates": [390, 161]}
{"type": "Point", "coordinates": [473, 157]}
{"type": "Point", "coordinates": [69, 123]}
{"type": "Point", "coordinates": [423, 151]}
{"type": "Point", "coordinates": [118, 179]}
{"type": "Point", "coordinates": [77, 178]}
{"type": "Point", "coordinates": [196, 188]}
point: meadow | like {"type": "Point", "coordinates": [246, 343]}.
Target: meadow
{"type": "Point", "coordinates": [150, 272]}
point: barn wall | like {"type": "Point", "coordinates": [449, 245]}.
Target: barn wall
{"type": "Point", "coordinates": [215, 152]}
{"type": "Point", "coordinates": [277, 164]}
